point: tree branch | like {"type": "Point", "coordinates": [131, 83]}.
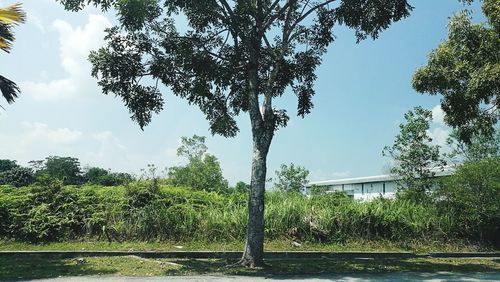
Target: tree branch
{"type": "Point", "coordinates": [281, 12]}
{"type": "Point", "coordinates": [304, 16]}
{"type": "Point", "coordinates": [227, 8]}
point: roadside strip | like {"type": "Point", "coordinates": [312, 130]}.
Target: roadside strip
{"type": "Point", "coordinates": [235, 255]}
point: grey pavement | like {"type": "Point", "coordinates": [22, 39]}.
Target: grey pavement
{"type": "Point", "coordinates": [354, 277]}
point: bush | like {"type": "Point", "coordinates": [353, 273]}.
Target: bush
{"type": "Point", "coordinates": [472, 198]}
{"type": "Point", "coordinates": [46, 213]}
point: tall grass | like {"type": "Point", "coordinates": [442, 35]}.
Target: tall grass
{"type": "Point", "coordinates": [147, 211]}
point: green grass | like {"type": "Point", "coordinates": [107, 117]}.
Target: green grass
{"type": "Point", "coordinates": [39, 267]}
{"type": "Point", "coordinates": [274, 245]}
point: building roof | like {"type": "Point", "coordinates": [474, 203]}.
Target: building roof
{"type": "Point", "coordinates": [370, 179]}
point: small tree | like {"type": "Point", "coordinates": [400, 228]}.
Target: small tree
{"type": "Point", "coordinates": [415, 157]}
{"type": "Point", "coordinates": [291, 178]}
{"type": "Point", "coordinates": [203, 171]}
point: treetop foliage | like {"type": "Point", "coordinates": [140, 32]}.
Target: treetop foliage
{"type": "Point", "coordinates": [232, 52]}
{"type": "Point", "coordinates": [465, 70]}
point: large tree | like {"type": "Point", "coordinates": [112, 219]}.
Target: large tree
{"type": "Point", "coordinates": [233, 57]}
{"type": "Point", "coordinates": [9, 17]}
{"type": "Point", "coordinates": [465, 70]}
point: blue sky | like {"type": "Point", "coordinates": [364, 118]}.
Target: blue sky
{"type": "Point", "coordinates": [363, 90]}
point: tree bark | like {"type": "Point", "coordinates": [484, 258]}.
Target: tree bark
{"type": "Point", "coordinates": [253, 255]}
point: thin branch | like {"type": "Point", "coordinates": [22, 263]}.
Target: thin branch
{"type": "Point", "coordinates": [273, 6]}
{"type": "Point", "coordinates": [278, 14]}
{"type": "Point", "coordinates": [304, 16]}
{"type": "Point", "coordinates": [227, 8]}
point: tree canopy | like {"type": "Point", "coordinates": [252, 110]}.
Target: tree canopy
{"type": "Point", "coordinates": [465, 70]}
{"type": "Point", "coordinates": [209, 63]}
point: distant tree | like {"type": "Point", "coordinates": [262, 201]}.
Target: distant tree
{"type": "Point", "coordinates": [291, 178]}
{"type": "Point", "coordinates": [94, 175]}
{"type": "Point", "coordinates": [9, 17]}
{"type": "Point", "coordinates": [234, 57]}
{"type": "Point", "coordinates": [65, 169]}
{"type": "Point", "coordinates": [465, 70]}
{"type": "Point", "coordinates": [203, 171]}
{"type": "Point", "coordinates": [101, 176]}
{"type": "Point", "coordinates": [6, 165]}
{"type": "Point", "coordinates": [241, 187]}
{"type": "Point", "coordinates": [415, 157]}
{"type": "Point", "coordinates": [192, 148]}
{"type": "Point", "coordinates": [17, 176]}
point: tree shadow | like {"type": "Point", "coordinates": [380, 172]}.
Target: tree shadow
{"type": "Point", "coordinates": [38, 267]}
{"type": "Point", "coordinates": [332, 266]}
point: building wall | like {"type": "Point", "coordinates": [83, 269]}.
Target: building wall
{"type": "Point", "coordinates": [365, 191]}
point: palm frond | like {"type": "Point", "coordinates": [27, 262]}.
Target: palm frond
{"type": "Point", "coordinates": [6, 37]}
{"type": "Point", "coordinates": [9, 89]}
{"type": "Point", "coordinates": [12, 14]}
{"type": "Point", "coordinates": [9, 16]}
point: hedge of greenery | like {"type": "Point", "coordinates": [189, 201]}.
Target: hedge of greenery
{"type": "Point", "coordinates": [148, 211]}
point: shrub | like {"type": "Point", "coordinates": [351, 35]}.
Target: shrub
{"type": "Point", "coordinates": [472, 198]}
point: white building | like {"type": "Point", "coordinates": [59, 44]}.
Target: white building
{"type": "Point", "coordinates": [366, 188]}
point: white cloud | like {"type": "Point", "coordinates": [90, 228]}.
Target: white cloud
{"type": "Point", "coordinates": [108, 139]}
{"type": "Point", "coordinates": [438, 115]}
{"type": "Point", "coordinates": [40, 132]}
{"type": "Point", "coordinates": [439, 135]}
{"type": "Point", "coordinates": [75, 46]}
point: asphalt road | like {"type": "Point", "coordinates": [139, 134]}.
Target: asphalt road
{"type": "Point", "coordinates": [396, 276]}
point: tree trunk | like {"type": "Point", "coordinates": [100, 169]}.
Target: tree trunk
{"type": "Point", "coordinates": [263, 125]}
{"type": "Point", "coordinates": [253, 255]}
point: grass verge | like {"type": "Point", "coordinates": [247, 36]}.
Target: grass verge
{"type": "Point", "coordinates": [276, 245]}
{"type": "Point", "coordinates": [40, 267]}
